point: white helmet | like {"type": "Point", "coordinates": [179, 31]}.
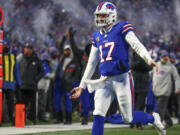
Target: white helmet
{"type": "Point", "coordinates": [106, 8]}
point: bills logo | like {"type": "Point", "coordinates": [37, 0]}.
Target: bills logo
{"type": "Point", "coordinates": [161, 73]}
{"type": "Point", "coordinates": [97, 39]}
{"type": "Point", "coordinates": [72, 65]}
{"type": "Point", "coordinates": [110, 6]}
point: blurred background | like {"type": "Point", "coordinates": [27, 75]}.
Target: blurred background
{"type": "Point", "coordinates": [43, 22]}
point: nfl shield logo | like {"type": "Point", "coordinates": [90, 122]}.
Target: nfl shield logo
{"type": "Point", "coordinates": [97, 39]}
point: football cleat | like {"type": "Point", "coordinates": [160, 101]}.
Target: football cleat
{"type": "Point", "coordinates": [158, 124]}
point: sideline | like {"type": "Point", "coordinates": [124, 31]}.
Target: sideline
{"type": "Point", "coordinates": [57, 127]}
{"type": "Point", "coordinates": [51, 128]}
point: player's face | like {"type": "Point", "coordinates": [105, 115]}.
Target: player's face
{"type": "Point", "coordinates": [27, 51]}
{"type": "Point", "coordinates": [165, 59]}
{"type": "Point", "coordinates": [67, 52]}
{"type": "Point", "coordinates": [6, 48]}
{"type": "Point", "coordinates": [101, 18]}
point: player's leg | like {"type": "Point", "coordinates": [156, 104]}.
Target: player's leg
{"type": "Point", "coordinates": [57, 102]}
{"type": "Point", "coordinates": [123, 87]}
{"type": "Point", "coordinates": [158, 124]}
{"type": "Point", "coordinates": [85, 104]}
{"type": "Point", "coordinates": [92, 101]}
{"type": "Point", "coordinates": [10, 104]}
{"type": "Point", "coordinates": [125, 97]}
{"type": "Point", "coordinates": [142, 117]}
{"type": "Point", "coordinates": [145, 118]}
{"type": "Point", "coordinates": [102, 99]}
{"type": "Point", "coordinates": [85, 101]}
{"type": "Point", "coordinates": [139, 117]}
{"type": "Point", "coordinates": [68, 104]}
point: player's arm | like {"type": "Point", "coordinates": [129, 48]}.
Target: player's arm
{"type": "Point", "coordinates": [139, 48]}
{"type": "Point", "coordinates": [89, 71]}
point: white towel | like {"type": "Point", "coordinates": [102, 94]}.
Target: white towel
{"type": "Point", "coordinates": [92, 85]}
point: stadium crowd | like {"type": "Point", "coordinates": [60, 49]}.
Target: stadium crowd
{"type": "Point", "coordinates": [51, 45]}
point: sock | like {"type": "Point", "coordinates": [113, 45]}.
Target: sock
{"type": "Point", "coordinates": [150, 118]}
{"type": "Point", "coordinates": [142, 117]}
{"type": "Point", "coordinates": [98, 125]}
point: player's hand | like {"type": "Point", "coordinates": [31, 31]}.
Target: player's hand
{"type": "Point", "coordinates": [154, 64]}
{"type": "Point", "coordinates": [66, 34]}
{"type": "Point", "coordinates": [71, 31]}
{"type": "Point", "coordinates": [76, 92]}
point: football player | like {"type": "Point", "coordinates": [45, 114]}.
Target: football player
{"type": "Point", "coordinates": [110, 45]}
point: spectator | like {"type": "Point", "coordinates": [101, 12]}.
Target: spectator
{"type": "Point", "coordinates": [67, 72]}
{"type": "Point", "coordinates": [86, 99]}
{"type": "Point", "coordinates": [178, 95]}
{"type": "Point", "coordinates": [11, 77]}
{"type": "Point", "coordinates": [172, 58]}
{"type": "Point", "coordinates": [53, 66]}
{"type": "Point", "coordinates": [31, 70]}
{"type": "Point", "coordinates": [162, 85]}
{"type": "Point", "coordinates": [43, 86]}
{"type": "Point", "coordinates": [140, 72]}
{"type": "Point", "coordinates": [172, 105]}
{"type": "Point", "coordinates": [175, 103]}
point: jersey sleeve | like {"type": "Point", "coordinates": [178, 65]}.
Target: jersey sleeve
{"type": "Point", "coordinates": [93, 41]}
{"type": "Point", "coordinates": [91, 66]}
{"type": "Point", "coordinates": [126, 27]}
{"type": "Point", "coordinates": [138, 47]}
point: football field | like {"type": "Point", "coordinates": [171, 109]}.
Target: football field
{"type": "Point", "coordinates": [78, 129]}
{"type": "Point", "coordinates": [175, 130]}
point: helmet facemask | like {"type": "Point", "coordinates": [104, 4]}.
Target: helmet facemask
{"type": "Point", "coordinates": [101, 20]}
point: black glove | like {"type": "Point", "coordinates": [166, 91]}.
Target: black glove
{"type": "Point", "coordinates": [72, 31]}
